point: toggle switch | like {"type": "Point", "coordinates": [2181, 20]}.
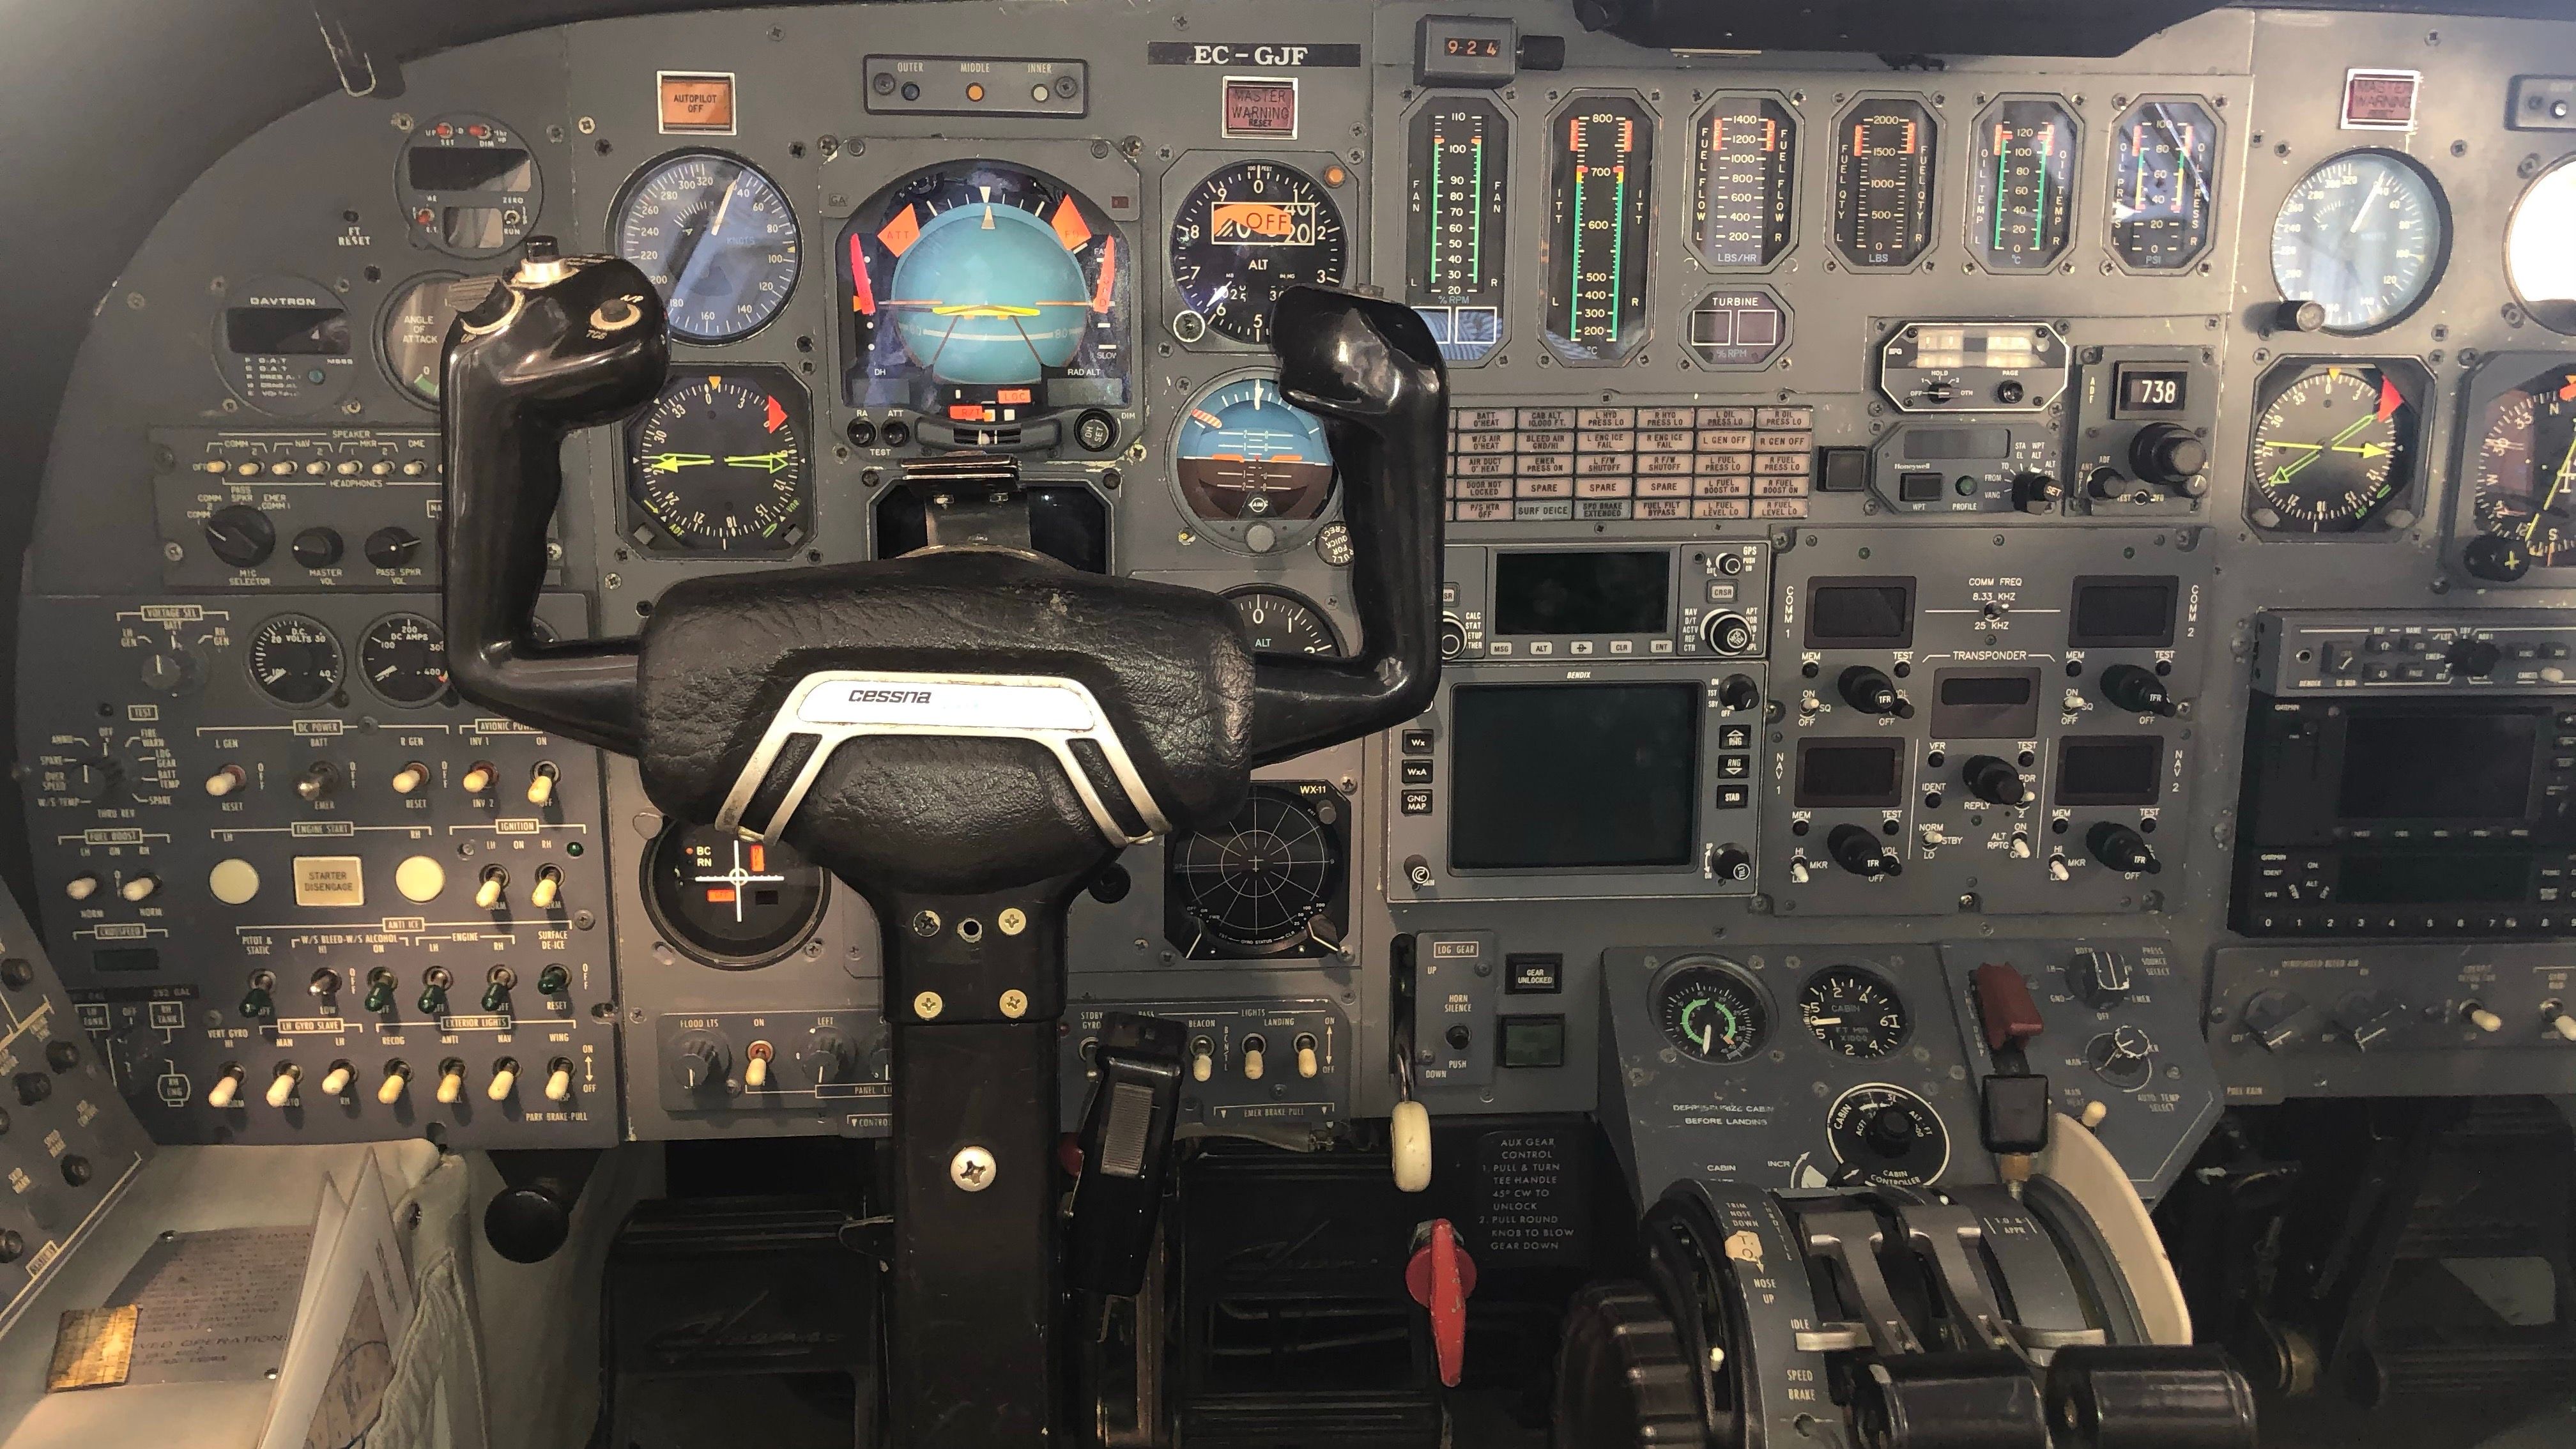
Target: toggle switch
{"type": "Point", "coordinates": [1202, 1060]}
{"type": "Point", "coordinates": [397, 1077]}
{"type": "Point", "coordinates": [451, 1082]}
{"type": "Point", "coordinates": [553, 979]}
{"type": "Point", "coordinates": [226, 1087]}
{"type": "Point", "coordinates": [2553, 1015]}
{"type": "Point", "coordinates": [2481, 1018]}
{"type": "Point", "coordinates": [1307, 1065]}
{"type": "Point", "coordinates": [541, 783]}
{"type": "Point", "coordinates": [559, 1080]}
{"type": "Point", "coordinates": [549, 886]}
{"type": "Point", "coordinates": [478, 777]}
{"type": "Point", "coordinates": [433, 991]}
{"type": "Point", "coordinates": [139, 889]}
{"type": "Point", "coordinates": [487, 893]}
{"type": "Point", "coordinates": [319, 781]}
{"type": "Point", "coordinates": [755, 1065]}
{"type": "Point", "coordinates": [496, 990]}
{"type": "Point", "coordinates": [380, 991]}
{"type": "Point", "coordinates": [281, 1088]}
{"type": "Point", "coordinates": [227, 780]}
{"type": "Point", "coordinates": [410, 778]}
{"type": "Point", "coordinates": [505, 1075]}
{"type": "Point", "coordinates": [1253, 1047]}
{"type": "Point", "coordinates": [335, 1082]}
{"type": "Point", "coordinates": [256, 1001]}
{"type": "Point", "coordinates": [81, 887]}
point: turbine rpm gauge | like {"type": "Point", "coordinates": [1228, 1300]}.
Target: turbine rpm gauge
{"type": "Point", "coordinates": [2332, 449]}
{"type": "Point", "coordinates": [1247, 234]}
{"type": "Point", "coordinates": [1710, 1013]}
{"type": "Point", "coordinates": [717, 465]}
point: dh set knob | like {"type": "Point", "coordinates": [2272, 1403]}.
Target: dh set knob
{"type": "Point", "coordinates": [1871, 692]}
{"type": "Point", "coordinates": [1858, 850]}
{"type": "Point", "coordinates": [2133, 690]}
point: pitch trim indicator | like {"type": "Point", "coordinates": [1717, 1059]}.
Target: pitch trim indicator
{"type": "Point", "coordinates": [1600, 210]}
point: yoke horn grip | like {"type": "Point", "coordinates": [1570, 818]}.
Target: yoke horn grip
{"type": "Point", "coordinates": [559, 345]}
{"type": "Point", "coordinates": [1371, 371]}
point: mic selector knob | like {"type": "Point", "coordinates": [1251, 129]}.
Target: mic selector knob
{"type": "Point", "coordinates": [1856, 850]}
{"type": "Point", "coordinates": [2134, 690]}
{"type": "Point", "coordinates": [2167, 455]}
{"type": "Point", "coordinates": [240, 535]}
{"type": "Point", "coordinates": [2122, 849]}
{"type": "Point", "coordinates": [1994, 781]}
{"type": "Point", "coordinates": [1871, 692]}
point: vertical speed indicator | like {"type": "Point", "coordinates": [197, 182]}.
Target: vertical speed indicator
{"type": "Point", "coordinates": [1600, 206]}
{"type": "Point", "coordinates": [2023, 182]}
{"type": "Point", "coordinates": [1453, 251]}
{"type": "Point", "coordinates": [1748, 166]}
{"type": "Point", "coordinates": [1883, 153]}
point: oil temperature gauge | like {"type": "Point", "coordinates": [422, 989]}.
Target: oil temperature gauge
{"type": "Point", "coordinates": [1853, 1012]}
{"type": "Point", "coordinates": [1711, 1013]}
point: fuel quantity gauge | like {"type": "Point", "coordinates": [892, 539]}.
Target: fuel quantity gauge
{"type": "Point", "coordinates": [1600, 210]}
{"type": "Point", "coordinates": [2023, 185]}
{"type": "Point", "coordinates": [1883, 152]}
{"type": "Point", "coordinates": [1453, 252]}
{"type": "Point", "coordinates": [1711, 1013]}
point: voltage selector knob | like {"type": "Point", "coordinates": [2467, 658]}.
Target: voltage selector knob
{"type": "Point", "coordinates": [1857, 850]}
{"type": "Point", "coordinates": [1871, 692]}
{"type": "Point", "coordinates": [2122, 849]}
{"type": "Point", "coordinates": [240, 535]}
{"type": "Point", "coordinates": [2134, 690]}
{"type": "Point", "coordinates": [2168, 455]}
{"type": "Point", "coordinates": [1995, 781]}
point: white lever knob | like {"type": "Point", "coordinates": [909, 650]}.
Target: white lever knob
{"type": "Point", "coordinates": [559, 1083]}
{"type": "Point", "coordinates": [220, 1095]}
{"type": "Point", "coordinates": [504, 1077]}
{"type": "Point", "coordinates": [281, 1088]}
{"type": "Point", "coordinates": [1409, 1143]}
{"type": "Point", "coordinates": [451, 1086]}
{"type": "Point", "coordinates": [336, 1081]}
{"type": "Point", "coordinates": [390, 1090]}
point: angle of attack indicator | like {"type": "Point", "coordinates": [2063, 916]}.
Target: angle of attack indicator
{"type": "Point", "coordinates": [1599, 204]}
{"type": "Point", "coordinates": [1454, 256]}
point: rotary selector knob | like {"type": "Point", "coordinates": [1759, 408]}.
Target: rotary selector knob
{"type": "Point", "coordinates": [2037, 492]}
{"type": "Point", "coordinates": [2122, 849]}
{"type": "Point", "coordinates": [2472, 659]}
{"type": "Point", "coordinates": [2133, 690]}
{"type": "Point", "coordinates": [1857, 850]}
{"type": "Point", "coordinates": [2495, 558]}
{"type": "Point", "coordinates": [2123, 1056]}
{"type": "Point", "coordinates": [240, 535]}
{"type": "Point", "coordinates": [392, 548]}
{"type": "Point", "coordinates": [1891, 1132]}
{"type": "Point", "coordinates": [1995, 781]}
{"type": "Point", "coordinates": [1731, 863]}
{"type": "Point", "coordinates": [826, 1058]}
{"type": "Point", "coordinates": [2099, 979]}
{"type": "Point", "coordinates": [1739, 692]}
{"type": "Point", "coordinates": [703, 1063]}
{"type": "Point", "coordinates": [1727, 634]}
{"type": "Point", "coordinates": [1453, 637]}
{"type": "Point", "coordinates": [1871, 692]}
{"type": "Point", "coordinates": [2168, 455]}
{"type": "Point", "coordinates": [317, 548]}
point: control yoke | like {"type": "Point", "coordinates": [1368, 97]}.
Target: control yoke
{"type": "Point", "coordinates": [965, 735]}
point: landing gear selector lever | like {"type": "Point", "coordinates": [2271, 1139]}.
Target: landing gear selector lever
{"type": "Point", "coordinates": [964, 735]}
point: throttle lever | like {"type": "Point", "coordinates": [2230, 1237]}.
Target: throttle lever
{"type": "Point", "coordinates": [1126, 1152]}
